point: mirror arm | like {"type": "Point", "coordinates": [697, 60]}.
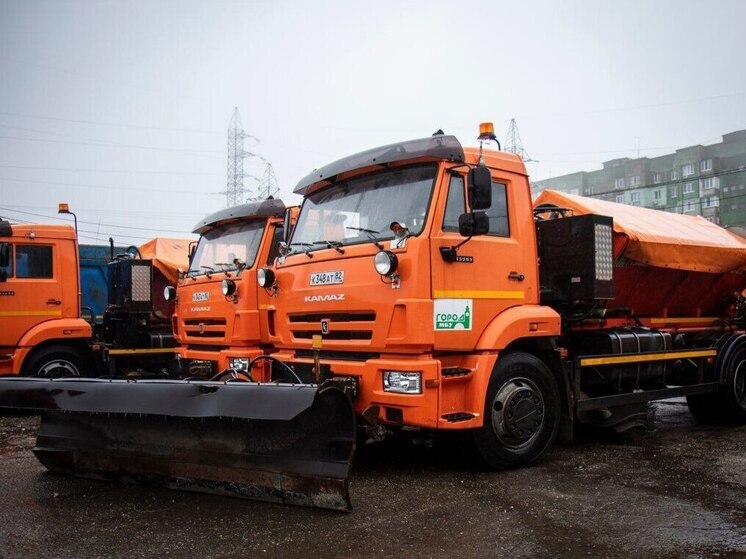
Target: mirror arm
{"type": "Point", "coordinates": [449, 254]}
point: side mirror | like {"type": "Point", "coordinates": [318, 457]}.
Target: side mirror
{"type": "Point", "coordinates": [480, 188]}
{"type": "Point", "coordinates": [473, 224]}
{"type": "Point", "coordinates": [286, 226]}
{"type": "Point", "coordinates": [4, 255]}
{"type": "Point", "coordinates": [192, 250]}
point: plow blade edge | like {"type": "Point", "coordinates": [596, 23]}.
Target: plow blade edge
{"type": "Point", "coordinates": [290, 444]}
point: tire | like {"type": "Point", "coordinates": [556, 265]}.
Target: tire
{"type": "Point", "coordinates": [706, 408]}
{"type": "Point", "coordinates": [733, 392]}
{"type": "Point", "coordinates": [54, 362]}
{"type": "Point", "coordinates": [728, 405]}
{"type": "Point", "coordinates": [521, 383]}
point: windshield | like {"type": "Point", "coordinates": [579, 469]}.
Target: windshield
{"type": "Point", "coordinates": [227, 248]}
{"type": "Point", "coordinates": [362, 209]}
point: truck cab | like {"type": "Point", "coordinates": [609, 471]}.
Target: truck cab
{"type": "Point", "coordinates": [221, 313]}
{"type": "Point", "coordinates": [394, 295]}
{"type": "Point", "coordinates": [42, 330]}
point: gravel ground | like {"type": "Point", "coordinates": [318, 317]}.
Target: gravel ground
{"type": "Point", "coordinates": [676, 491]}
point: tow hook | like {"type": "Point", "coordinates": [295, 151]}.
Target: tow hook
{"type": "Point", "coordinates": [375, 431]}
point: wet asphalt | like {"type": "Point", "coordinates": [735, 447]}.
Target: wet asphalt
{"type": "Point", "coordinates": [676, 491]}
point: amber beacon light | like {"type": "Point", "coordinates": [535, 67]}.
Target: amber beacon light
{"type": "Point", "coordinates": [487, 131]}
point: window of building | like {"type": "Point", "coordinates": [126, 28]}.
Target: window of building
{"type": "Point", "coordinates": [656, 178]}
{"type": "Point", "coordinates": [687, 170]}
{"type": "Point", "coordinates": [705, 183]}
{"type": "Point", "coordinates": [689, 206]}
{"type": "Point", "coordinates": [635, 197]}
{"type": "Point", "coordinates": [498, 211]}
{"type": "Point", "coordinates": [656, 195]}
{"type": "Point", "coordinates": [455, 204]}
{"type": "Point", "coordinates": [33, 261]}
{"type": "Point", "coordinates": [620, 198]}
{"type": "Point", "coordinates": [674, 175]}
{"type": "Point", "coordinates": [635, 180]}
{"type": "Point", "coordinates": [705, 165]}
{"type": "Point", "coordinates": [673, 191]}
{"type": "Point", "coordinates": [688, 188]}
{"type": "Point", "coordinates": [619, 183]}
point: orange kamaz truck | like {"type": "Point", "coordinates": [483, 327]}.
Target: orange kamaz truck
{"type": "Point", "coordinates": [422, 273]}
{"type": "Point", "coordinates": [422, 289]}
{"type": "Point", "coordinates": [220, 320]}
{"type": "Point", "coordinates": [47, 331]}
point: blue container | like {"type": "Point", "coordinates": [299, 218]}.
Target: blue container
{"type": "Point", "coordinates": [94, 278]}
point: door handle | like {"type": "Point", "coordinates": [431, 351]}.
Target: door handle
{"type": "Point", "coordinates": [516, 276]}
{"type": "Point", "coordinates": [54, 302]}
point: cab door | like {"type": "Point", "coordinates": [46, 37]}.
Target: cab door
{"type": "Point", "coordinates": [487, 274]}
{"type": "Point", "coordinates": [32, 291]}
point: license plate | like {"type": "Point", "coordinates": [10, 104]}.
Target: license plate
{"type": "Point", "coordinates": [327, 278]}
{"type": "Point", "coordinates": [201, 296]}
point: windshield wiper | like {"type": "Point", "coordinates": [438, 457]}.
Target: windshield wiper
{"type": "Point", "coordinates": [226, 267]}
{"type": "Point", "coordinates": [306, 252]}
{"type": "Point", "coordinates": [331, 244]}
{"type": "Point", "coordinates": [370, 234]}
{"type": "Point", "coordinates": [209, 269]}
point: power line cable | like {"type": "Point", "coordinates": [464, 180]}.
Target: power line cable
{"type": "Point", "coordinates": [104, 187]}
{"type": "Point", "coordinates": [95, 222]}
{"type": "Point", "coordinates": [122, 171]}
{"type": "Point", "coordinates": [117, 124]}
{"type": "Point", "coordinates": [204, 153]}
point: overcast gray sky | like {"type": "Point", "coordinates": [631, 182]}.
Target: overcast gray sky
{"type": "Point", "coordinates": [121, 108]}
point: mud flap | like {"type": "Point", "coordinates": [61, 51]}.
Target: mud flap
{"type": "Point", "coordinates": [281, 443]}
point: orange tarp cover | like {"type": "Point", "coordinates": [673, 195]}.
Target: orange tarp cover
{"type": "Point", "coordinates": [168, 255]}
{"type": "Point", "coordinates": [659, 238]}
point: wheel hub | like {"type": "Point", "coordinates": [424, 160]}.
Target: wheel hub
{"type": "Point", "coordinates": [59, 368]}
{"type": "Point", "coordinates": [517, 412]}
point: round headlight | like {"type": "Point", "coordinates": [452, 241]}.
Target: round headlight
{"type": "Point", "coordinates": [385, 262]}
{"type": "Point", "coordinates": [169, 293]}
{"type": "Point", "coordinates": [228, 287]}
{"type": "Point", "coordinates": [265, 277]}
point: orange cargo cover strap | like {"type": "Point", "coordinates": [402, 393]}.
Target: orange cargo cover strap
{"type": "Point", "coordinates": [664, 239]}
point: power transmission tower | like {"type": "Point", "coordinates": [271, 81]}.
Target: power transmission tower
{"type": "Point", "coordinates": [514, 144]}
{"type": "Point", "coordinates": [267, 185]}
{"type": "Point", "coordinates": [234, 191]}
{"type": "Point", "coordinates": [236, 154]}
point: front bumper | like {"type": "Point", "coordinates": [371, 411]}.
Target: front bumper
{"type": "Point", "coordinates": [446, 402]}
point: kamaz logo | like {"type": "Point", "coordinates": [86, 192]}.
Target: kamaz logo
{"type": "Point", "coordinates": [321, 298]}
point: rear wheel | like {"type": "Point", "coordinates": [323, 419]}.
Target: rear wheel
{"type": "Point", "coordinates": [54, 362]}
{"type": "Point", "coordinates": [522, 412]}
{"type": "Point", "coordinates": [734, 389]}
{"type": "Point", "coordinates": [728, 405]}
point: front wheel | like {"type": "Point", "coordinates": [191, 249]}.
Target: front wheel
{"type": "Point", "coordinates": [54, 362]}
{"type": "Point", "coordinates": [521, 413]}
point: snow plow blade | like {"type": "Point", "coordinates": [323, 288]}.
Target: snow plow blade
{"type": "Point", "coordinates": [281, 443]}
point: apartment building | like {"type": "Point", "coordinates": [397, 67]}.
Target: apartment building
{"type": "Point", "coordinates": [698, 180]}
